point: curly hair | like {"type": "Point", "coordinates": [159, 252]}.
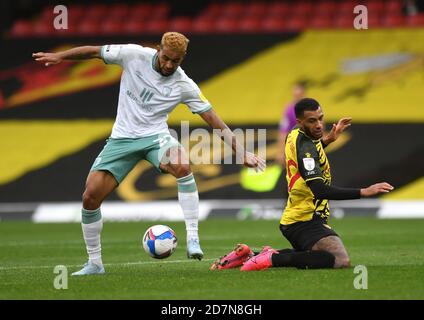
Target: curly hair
{"type": "Point", "coordinates": [175, 41]}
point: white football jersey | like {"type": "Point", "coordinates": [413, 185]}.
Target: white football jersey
{"type": "Point", "coordinates": [145, 96]}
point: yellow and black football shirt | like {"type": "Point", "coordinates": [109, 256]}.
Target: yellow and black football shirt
{"type": "Point", "coordinates": [305, 161]}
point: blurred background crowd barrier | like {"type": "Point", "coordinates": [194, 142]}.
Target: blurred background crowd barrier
{"type": "Point", "coordinates": [245, 56]}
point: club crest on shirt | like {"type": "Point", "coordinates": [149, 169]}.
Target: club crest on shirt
{"type": "Point", "coordinates": [166, 91]}
{"type": "Point", "coordinates": [309, 163]}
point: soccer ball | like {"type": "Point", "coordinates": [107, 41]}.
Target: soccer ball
{"type": "Point", "coordinates": [159, 241]}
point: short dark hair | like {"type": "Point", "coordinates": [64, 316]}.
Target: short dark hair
{"type": "Point", "coordinates": [305, 104]}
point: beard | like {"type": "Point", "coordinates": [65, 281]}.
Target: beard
{"type": "Point", "coordinates": [313, 135]}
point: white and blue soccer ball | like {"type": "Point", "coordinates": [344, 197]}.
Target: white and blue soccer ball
{"type": "Point", "coordinates": [159, 241]}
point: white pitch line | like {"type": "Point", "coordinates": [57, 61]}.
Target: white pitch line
{"type": "Point", "coordinates": [106, 242]}
{"type": "Point", "coordinates": [106, 264]}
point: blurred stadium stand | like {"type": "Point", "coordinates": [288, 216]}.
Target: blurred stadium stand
{"type": "Point", "coordinates": [243, 54]}
{"type": "Point", "coordinates": [34, 18]}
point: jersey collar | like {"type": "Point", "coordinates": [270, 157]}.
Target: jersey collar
{"type": "Point", "coordinates": [302, 132]}
{"type": "Point", "coordinates": [154, 62]}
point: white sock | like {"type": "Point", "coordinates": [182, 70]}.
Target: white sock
{"type": "Point", "coordinates": [189, 201]}
{"type": "Point", "coordinates": [190, 204]}
{"type": "Point", "coordinates": [92, 225]}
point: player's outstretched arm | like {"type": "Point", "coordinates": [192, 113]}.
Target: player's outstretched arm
{"type": "Point", "coordinates": [337, 130]}
{"type": "Point", "coordinates": [323, 191]}
{"type": "Point", "coordinates": [382, 187]}
{"type": "Point", "coordinates": [249, 159]}
{"type": "Point", "coordinates": [77, 53]}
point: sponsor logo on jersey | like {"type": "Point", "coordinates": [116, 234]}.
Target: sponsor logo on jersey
{"type": "Point", "coordinates": [146, 95]}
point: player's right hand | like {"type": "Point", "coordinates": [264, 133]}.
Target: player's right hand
{"type": "Point", "coordinates": [47, 58]}
{"type": "Point", "coordinates": [253, 161]}
{"type": "Point", "coordinates": [382, 187]}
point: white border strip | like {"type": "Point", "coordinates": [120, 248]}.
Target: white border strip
{"type": "Point", "coordinates": [391, 209]}
{"type": "Point", "coordinates": [171, 210]}
{"type": "Point", "coordinates": [117, 211]}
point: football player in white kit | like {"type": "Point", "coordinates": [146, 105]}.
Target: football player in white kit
{"type": "Point", "coordinates": [152, 85]}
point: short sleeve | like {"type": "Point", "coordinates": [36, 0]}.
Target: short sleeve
{"type": "Point", "coordinates": [194, 98]}
{"type": "Point", "coordinates": [308, 160]}
{"type": "Point", "coordinates": [120, 53]}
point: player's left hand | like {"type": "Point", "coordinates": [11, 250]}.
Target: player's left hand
{"type": "Point", "coordinates": [338, 128]}
{"type": "Point", "coordinates": [47, 58]}
{"type": "Point", "coordinates": [253, 161]}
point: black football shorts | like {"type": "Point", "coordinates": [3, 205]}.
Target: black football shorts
{"type": "Point", "coordinates": [303, 235]}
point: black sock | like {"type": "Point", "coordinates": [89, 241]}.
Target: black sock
{"type": "Point", "coordinates": [286, 251]}
{"type": "Point", "coordinates": [304, 259]}
{"type": "Point", "coordinates": [280, 251]}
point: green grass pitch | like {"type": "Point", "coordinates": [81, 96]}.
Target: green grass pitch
{"type": "Point", "coordinates": [392, 251]}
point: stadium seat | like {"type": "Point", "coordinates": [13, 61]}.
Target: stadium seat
{"type": "Point", "coordinates": [325, 8]}
{"type": "Point", "coordinates": [221, 17]}
{"type": "Point", "coordinates": [374, 22]}
{"type": "Point", "coordinates": [274, 24]}
{"type": "Point", "coordinates": [250, 24]}
{"type": "Point", "coordinates": [301, 9]}
{"type": "Point", "coordinates": [346, 7]}
{"type": "Point", "coordinates": [111, 27]}
{"type": "Point", "coordinates": [140, 11]}
{"type": "Point", "coordinates": [46, 12]}
{"type": "Point", "coordinates": [344, 21]}
{"type": "Point", "coordinates": [374, 16]}
{"type": "Point", "coordinates": [118, 11]}
{"type": "Point", "coordinates": [321, 23]}
{"type": "Point", "coordinates": [157, 26]}
{"type": "Point", "coordinates": [76, 11]}
{"type": "Point", "coordinates": [213, 10]}
{"type": "Point", "coordinates": [232, 10]}
{"type": "Point", "coordinates": [203, 24]}
{"type": "Point", "coordinates": [160, 11]}
{"type": "Point", "coordinates": [226, 25]}
{"type": "Point", "coordinates": [181, 24]}
{"type": "Point", "coordinates": [391, 21]}
{"type": "Point", "coordinates": [89, 27]}
{"type": "Point", "coordinates": [72, 30]}
{"type": "Point", "coordinates": [415, 20]}
{"type": "Point", "coordinates": [375, 6]}
{"type": "Point", "coordinates": [96, 11]}
{"type": "Point", "coordinates": [277, 9]}
{"type": "Point", "coordinates": [21, 28]}
{"type": "Point", "coordinates": [43, 28]}
{"type": "Point", "coordinates": [394, 7]}
{"type": "Point", "coordinates": [133, 26]}
{"type": "Point", "coordinates": [296, 23]}
{"type": "Point", "coordinates": [255, 10]}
